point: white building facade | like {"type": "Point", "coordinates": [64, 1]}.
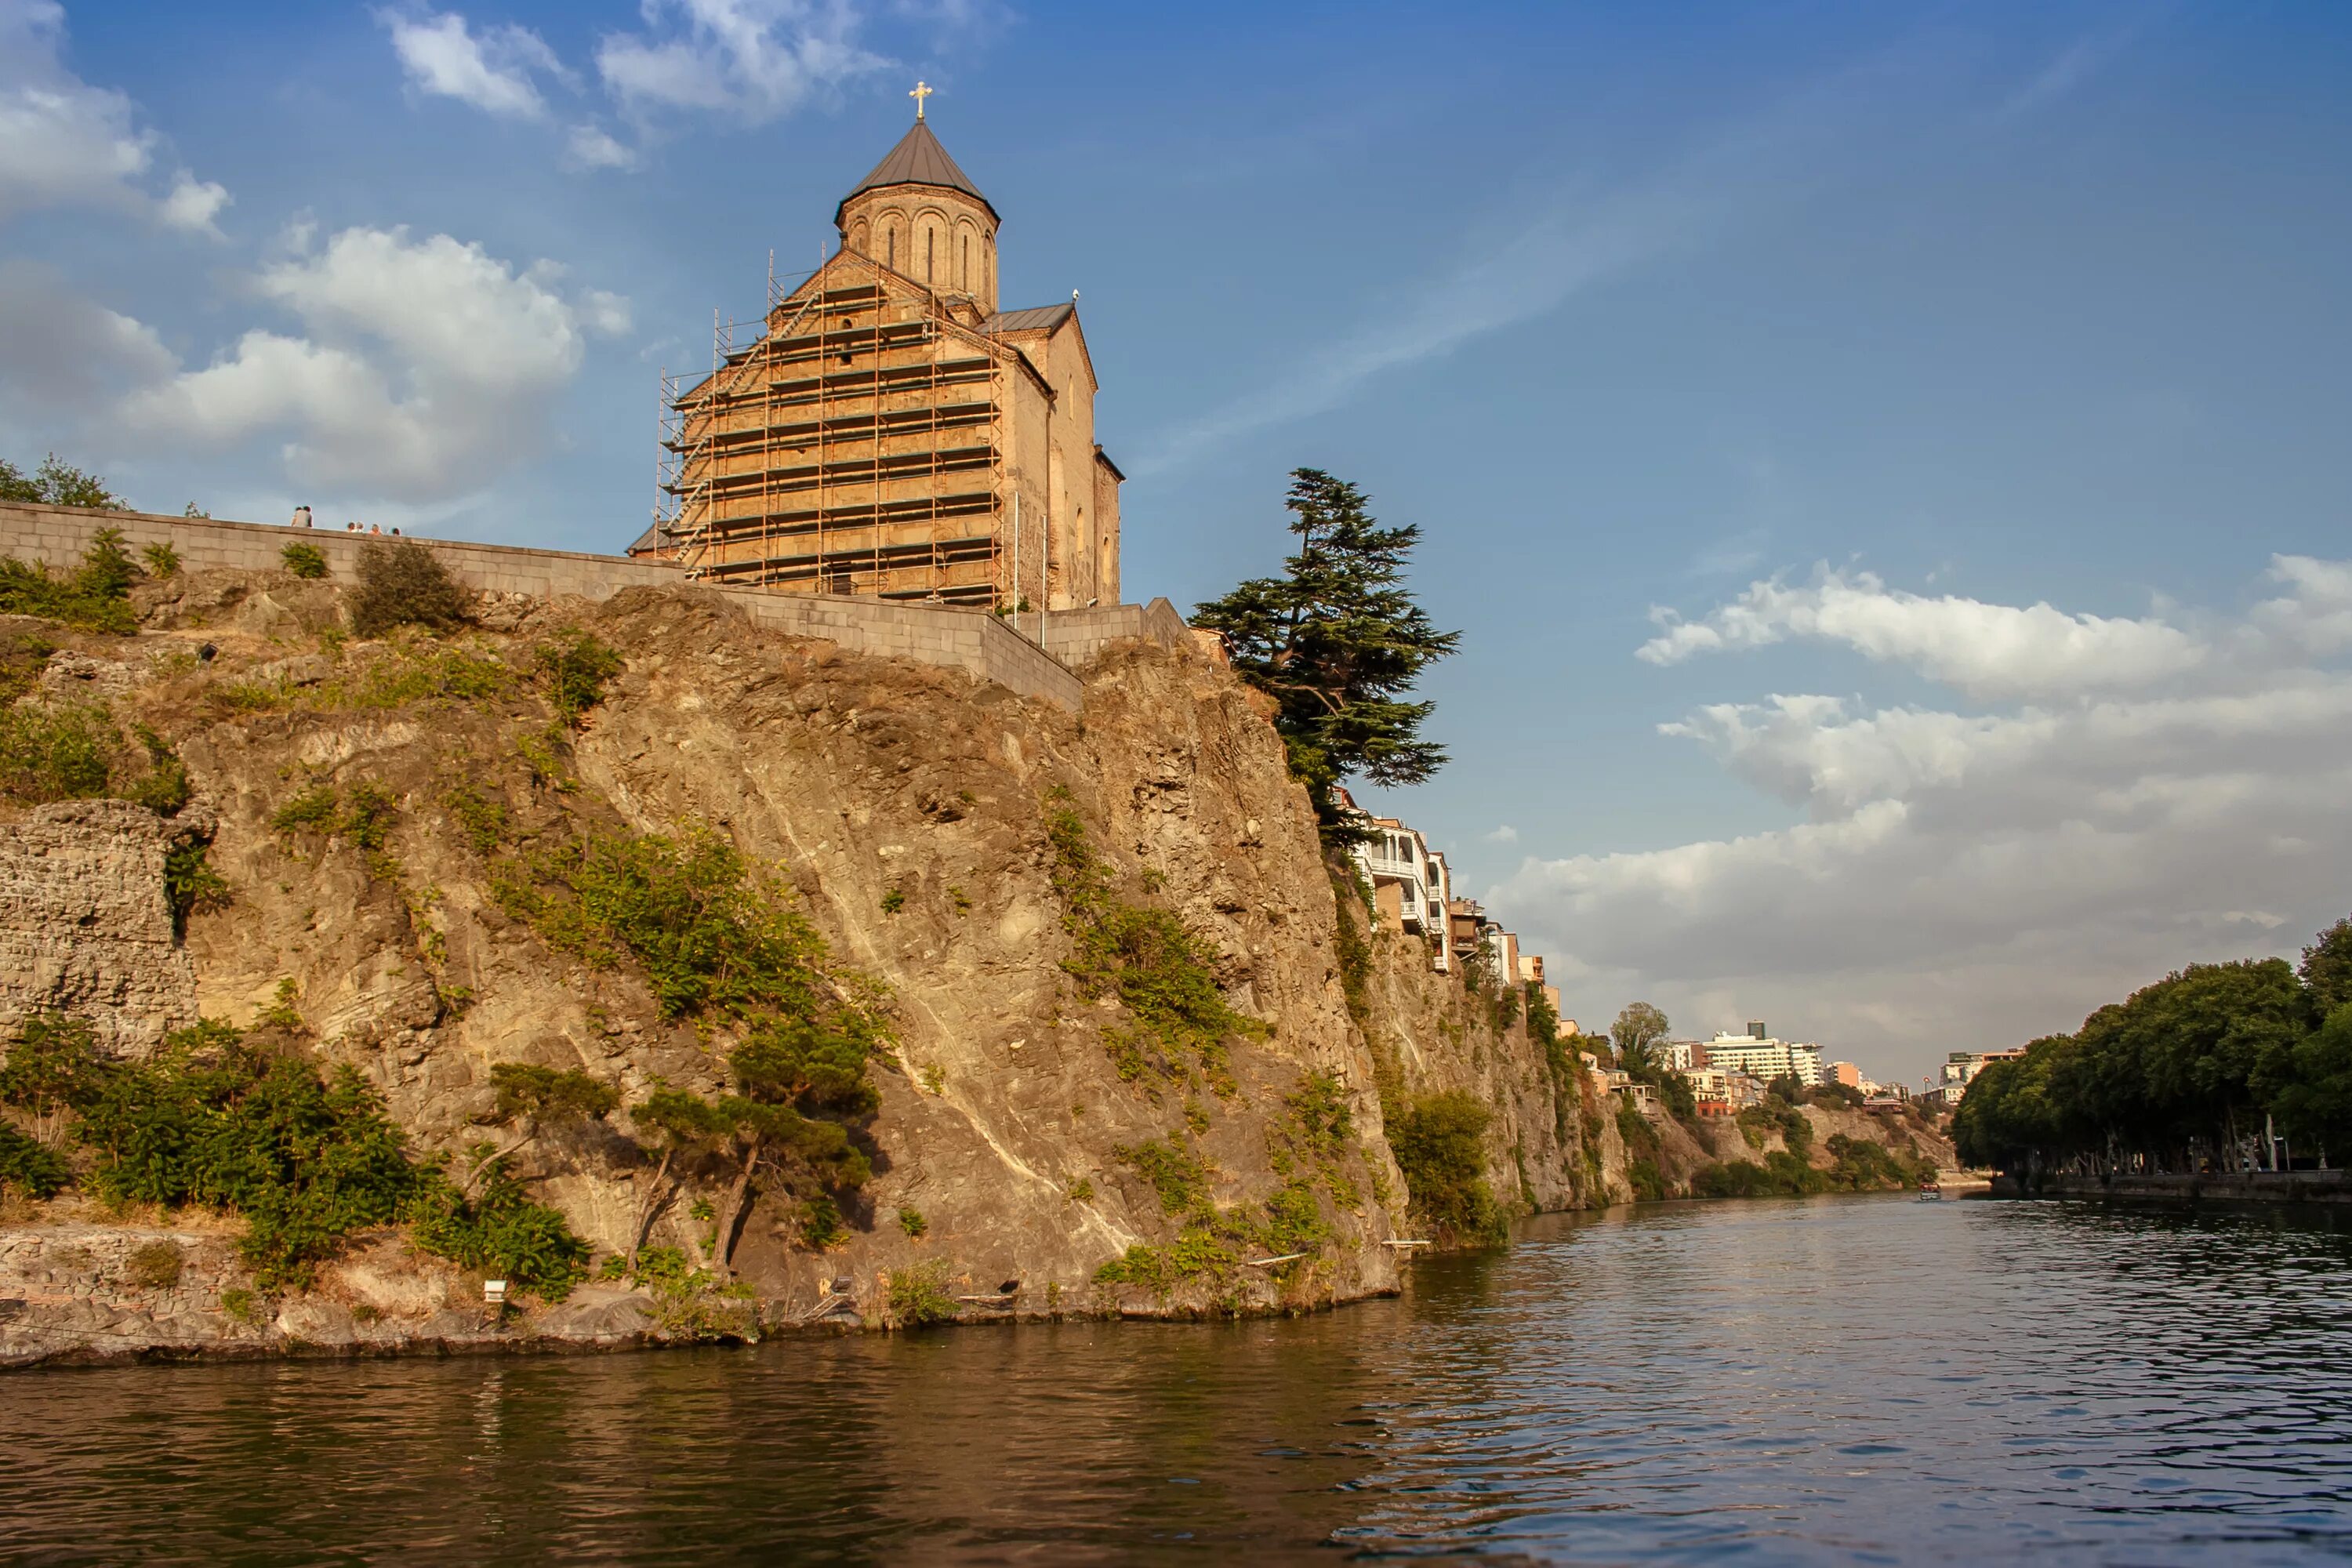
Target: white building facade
{"type": "Point", "coordinates": [1766, 1057]}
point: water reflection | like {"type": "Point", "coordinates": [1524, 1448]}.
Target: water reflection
{"type": "Point", "coordinates": [1862, 1380]}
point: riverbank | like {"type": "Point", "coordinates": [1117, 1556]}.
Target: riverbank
{"type": "Point", "coordinates": [2244, 1187]}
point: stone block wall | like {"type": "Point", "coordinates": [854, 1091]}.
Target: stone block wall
{"type": "Point", "coordinates": [1076, 637]}
{"type": "Point", "coordinates": [970, 640]}
{"type": "Point", "coordinates": [84, 924]}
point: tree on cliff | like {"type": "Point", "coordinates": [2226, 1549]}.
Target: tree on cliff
{"type": "Point", "coordinates": [57, 484]}
{"type": "Point", "coordinates": [1336, 642]}
{"type": "Point", "coordinates": [1637, 1030]}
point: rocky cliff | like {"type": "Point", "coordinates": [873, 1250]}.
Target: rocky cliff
{"type": "Point", "coordinates": [367, 803]}
{"type": "Point", "coordinates": [1136, 1050]}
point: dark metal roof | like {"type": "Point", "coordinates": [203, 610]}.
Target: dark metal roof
{"type": "Point", "coordinates": [1037, 317]}
{"type": "Point", "coordinates": [916, 160]}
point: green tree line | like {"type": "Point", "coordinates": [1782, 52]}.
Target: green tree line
{"type": "Point", "coordinates": [2195, 1072]}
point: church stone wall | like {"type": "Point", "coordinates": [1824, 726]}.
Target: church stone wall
{"type": "Point", "coordinates": [971, 641]}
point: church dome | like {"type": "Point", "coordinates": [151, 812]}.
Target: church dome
{"type": "Point", "coordinates": [916, 160]}
{"type": "Point", "coordinates": [920, 216]}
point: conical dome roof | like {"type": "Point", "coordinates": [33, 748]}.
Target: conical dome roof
{"type": "Point", "coordinates": [916, 160]}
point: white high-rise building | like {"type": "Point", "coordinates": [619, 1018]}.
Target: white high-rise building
{"type": "Point", "coordinates": [1766, 1057]}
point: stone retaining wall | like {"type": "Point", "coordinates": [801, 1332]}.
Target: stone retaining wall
{"type": "Point", "coordinates": [971, 641]}
{"type": "Point", "coordinates": [84, 923]}
{"type": "Point", "coordinates": [1076, 636]}
{"type": "Point", "coordinates": [2246, 1187]}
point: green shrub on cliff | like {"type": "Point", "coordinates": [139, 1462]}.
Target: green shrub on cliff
{"type": "Point", "coordinates": [718, 944]}
{"type": "Point", "coordinates": [75, 750]}
{"type": "Point", "coordinates": [57, 483]}
{"type": "Point", "coordinates": [304, 560]}
{"type": "Point", "coordinates": [1147, 958]}
{"type": "Point", "coordinates": [1782, 1174]}
{"type": "Point", "coordinates": [402, 583]}
{"type": "Point", "coordinates": [216, 1118]}
{"type": "Point", "coordinates": [61, 751]}
{"type": "Point", "coordinates": [28, 1166]}
{"type": "Point", "coordinates": [1177, 1174]}
{"type": "Point", "coordinates": [919, 1296]}
{"type": "Point", "coordinates": [1439, 1144]}
{"type": "Point", "coordinates": [709, 938]}
{"type": "Point", "coordinates": [575, 668]}
{"type": "Point", "coordinates": [501, 1233]}
{"type": "Point", "coordinates": [96, 596]}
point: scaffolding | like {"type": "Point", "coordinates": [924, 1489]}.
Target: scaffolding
{"type": "Point", "coordinates": [854, 444]}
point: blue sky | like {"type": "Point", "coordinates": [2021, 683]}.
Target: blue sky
{"type": "Point", "coordinates": [1840, 336]}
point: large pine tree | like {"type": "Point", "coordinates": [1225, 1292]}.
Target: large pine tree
{"type": "Point", "coordinates": [1337, 642]}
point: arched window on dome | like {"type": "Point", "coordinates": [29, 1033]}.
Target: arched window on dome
{"type": "Point", "coordinates": [890, 244]}
{"type": "Point", "coordinates": [931, 250]}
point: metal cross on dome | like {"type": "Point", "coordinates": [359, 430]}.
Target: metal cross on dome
{"type": "Point", "coordinates": [922, 90]}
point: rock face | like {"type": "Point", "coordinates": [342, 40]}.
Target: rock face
{"type": "Point", "coordinates": [903, 810]}
{"type": "Point", "coordinates": [85, 925]}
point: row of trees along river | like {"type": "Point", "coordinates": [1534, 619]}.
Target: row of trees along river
{"type": "Point", "coordinates": [2219, 1067]}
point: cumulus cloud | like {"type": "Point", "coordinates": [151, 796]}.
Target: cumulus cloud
{"type": "Point", "coordinates": [193, 206]}
{"type": "Point", "coordinates": [1986, 650]}
{"type": "Point", "coordinates": [1961, 879]}
{"type": "Point", "coordinates": [423, 367]}
{"type": "Point", "coordinates": [2315, 613]}
{"type": "Point", "coordinates": [66, 356]}
{"type": "Point", "coordinates": [442, 55]}
{"type": "Point", "coordinates": [593, 147]}
{"type": "Point", "coordinates": [1506, 834]}
{"type": "Point", "coordinates": [66, 143]}
{"type": "Point", "coordinates": [752, 60]}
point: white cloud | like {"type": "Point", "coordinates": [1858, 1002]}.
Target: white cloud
{"type": "Point", "coordinates": [593, 147]}
{"type": "Point", "coordinates": [66, 356]}
{"type": "Point", "coordinates": [442, 55]}
{"type": "Point", "coordinates": [1506, 834]}
{"type": "Point", "coordinates": [752, 60]}
{"type": "Point", "coordinates": [1986, 650]}
{"type": "Point", "coordinates": [426, 367]}
{"type": "Point", "coordinates": [194, 205]}
{"type": "Point", "coordinates": [1974, 878]}
{"type": "Point", "coordinates": [65, 143]}
{"type": "Point", "coordinates": [603, 313]}
{"type": "Point", "coordinates": [2316, 614]}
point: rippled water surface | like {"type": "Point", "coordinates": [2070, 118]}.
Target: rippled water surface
{"type": "Point", "coordinates": [1842, 1380]}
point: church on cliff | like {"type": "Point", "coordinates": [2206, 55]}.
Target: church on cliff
{"type": "Point", "coordinates": [892, 433]}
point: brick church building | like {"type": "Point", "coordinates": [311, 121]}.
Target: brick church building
{"type": "Point", "coordinates": [891, 432]}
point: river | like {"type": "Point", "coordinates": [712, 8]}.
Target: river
{"type": "Point", "coordinates": [1838, 1380]}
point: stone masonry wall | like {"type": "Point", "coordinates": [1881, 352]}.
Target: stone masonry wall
{"type": "Point", "coordinates": [970, 640]}
{"type": "Point", "coordinates": [84, 926]}
{"type": "Point", "coordinates": [1077, 637]}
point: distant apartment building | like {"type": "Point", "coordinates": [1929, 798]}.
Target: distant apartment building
{"type": "Point", "coordinates": [1844, 1073]}
{"type": "Point", "coordinates": [1410, 886]}
{"type": "Point", "coordinates": [1501, 950]}
{"type": "Point", "coordinates": [1764, 1055]}
{"type": "Point", "coordinates": [1683, 1056]}
{"type": "Point", "coordinates": [1960, 1069]}
{"type": "Point", "coordinates": [1711, 1086]}
{"type": "Point", "coordinates": [1412, 891]}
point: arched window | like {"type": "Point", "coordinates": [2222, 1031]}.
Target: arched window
{"type": "Point", "coordinates": [890, 239]}
{"type": "Point", "coordinates": [931, 247]}
{"type": "Point", "coordinates": [963, 268]}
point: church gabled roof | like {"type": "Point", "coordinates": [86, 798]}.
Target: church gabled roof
{"type": "Point", "coordinates": [1037, 317]}
{"type": "Point", "coordinates": [916, 160]}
